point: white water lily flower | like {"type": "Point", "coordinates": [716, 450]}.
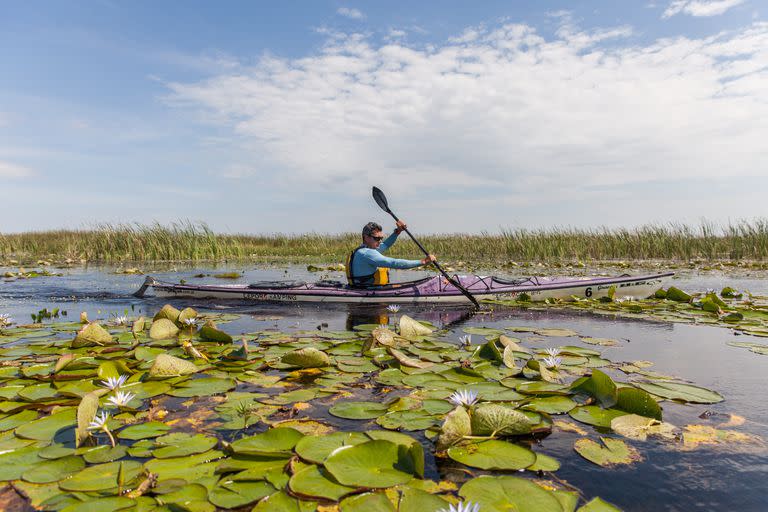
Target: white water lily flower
{"type": "Point", "coordinates": [394, 308]}
{"type": "Point", "coordinates": [121, 320]}
{"type": "Point", "coordinates": [462, 507]}
{"type": "Point", "coordinates": [5, 320]}
{"type": "Point", "coordinates": [114, 382]}
{"type": "Point", "coordinates": [465, 397]}
{"type": "Point", "coordinates": [121, 398]}
{"type": "Point", "coordinates": [465, 340]}
{"type": "Point", "coordinates": [190, 322]}
{"type": "Point", "coordinates": [552, 362]}
{"type": "Point", "coordinates": [99, 421]}
{"type": "Point", "coordinates": [553, 352]}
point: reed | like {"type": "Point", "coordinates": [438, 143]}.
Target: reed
{"type": "Point", "coordinates": [188, 241]}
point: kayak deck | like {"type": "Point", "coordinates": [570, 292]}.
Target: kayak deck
{"type": "Point", "coordinates": [430, 289]}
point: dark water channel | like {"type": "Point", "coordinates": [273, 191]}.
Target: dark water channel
{"type": "Point", "coordinates": [707, 478]}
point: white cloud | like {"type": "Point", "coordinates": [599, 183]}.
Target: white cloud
{"type": "Point", "coordinates": [505, 112]}
{"type": "Point", "coordinates": [700, 7]}
{"type": "Point", "coordinates": [347, 12]}
{"type": "Point", "coordinates": [9, 170]}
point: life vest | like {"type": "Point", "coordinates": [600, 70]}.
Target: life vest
{"type": "Point", "coordinates": [378, 278]}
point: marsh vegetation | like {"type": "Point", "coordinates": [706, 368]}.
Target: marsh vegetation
{"type": "Point", "coordinates": [737, 242]}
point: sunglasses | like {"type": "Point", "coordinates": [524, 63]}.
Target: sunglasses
{"type": "Point", "coordinates": [377, 238]}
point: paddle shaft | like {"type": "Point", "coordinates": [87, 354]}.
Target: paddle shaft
{"type": "Point", "coordinates": [437, 265]}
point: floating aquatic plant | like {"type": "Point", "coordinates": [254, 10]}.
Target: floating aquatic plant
{"type": "Point", "coordinates": [552, 362]}
{"type": "Point", "coordinates": [465, 340]}
{"type": "Point", "coordinates": [100, 423]}
{"type": "Point", "coordinates": [465, 397]}
{"type": "Point", "coordinates": [553, 352]}
{"type": "Point", "coordinates": [5, 320]}
{"type": "Point", "coordinates": [114, 383]}
{"type": "Point", "coordinates": [121, 398]}
{"type": "Point", "coordinates": [393, 308]}
{"type": "Point", "coordinates": [464, 506]}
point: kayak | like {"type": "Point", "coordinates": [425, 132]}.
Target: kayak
{"type": "Point", "coordinates": [429, 289]}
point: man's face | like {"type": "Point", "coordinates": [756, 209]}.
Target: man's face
{"type": "Point", "coordinates": [374, 239]}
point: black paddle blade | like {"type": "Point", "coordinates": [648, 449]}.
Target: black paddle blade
{"type": "Point", "coordinates": [380, 199]}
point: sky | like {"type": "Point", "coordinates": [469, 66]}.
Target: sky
{"type": "Point", "coordinates": [278, 117]}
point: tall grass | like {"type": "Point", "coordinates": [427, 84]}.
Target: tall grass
{"type": "Point", "coordinates": [187, 241]}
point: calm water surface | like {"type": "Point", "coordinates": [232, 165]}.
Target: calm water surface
{"type": "Point", "coordinates": [667, 479]}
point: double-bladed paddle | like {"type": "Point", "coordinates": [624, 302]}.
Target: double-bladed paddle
{"type": "Point", "coordinates": [381, 200]}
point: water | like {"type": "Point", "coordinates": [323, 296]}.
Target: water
{"type": "Point", "coordinates": [716, 478]}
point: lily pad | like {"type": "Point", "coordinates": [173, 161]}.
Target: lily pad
{"type": "Point", "coordinates": [455, 427]}
{"type": "Point", "coordinates": [143, 431]}
{"type": "Point", "coordinates": [103, 477]}
{"type": "Point", "coordinates": [181, 444]}
{"type": "Point", "coordinates": [600, 386]}
{"type": "Point", "coordinates": [493, 454]}
{"type": "Point", "coordinates": [594, 415]}
{"type": "Point", "coordinates": [683, 392]}
{"type": "Point", "coordinates": [505, 493]}
{"type": "Point", "coordinates": [91, 335]}
{"type": "Point", "coordinates": [410, 327]}
{"type": "Point", "coordinates": [275, 441]}
{"type": "Point", "coordinates": [358, 410]}
{"type": "Point", "coordinates": [317, 448]}
{"type": "Point", "coordinates": [163, 329]}
{"type": "Point", "coordinates": [372, 464]}
{"type": "Point", "coordinates": [316, 482]}
{"type": "Point", "coordinates": [638, 427]}
{"type": "Point", "coordinates": [367, 502]}
{"type": "Point", "coordinates": [306, 358]}
{"type": "Point", "coordinates": [86, 411]}
{"type": "Point", "coordinates": [638, 401]}
{"type": "Point", "coordinates": [203, 387]}
{"type": "Point", "coordinates": [611, 452]}
{"type": "Point", "coordinates": [598, 505]}
{"type": "Point", "coordinates": [209, 332]}
{"type": "Point", "coordinates": [496, 419]}
{"type": "Point", "coordinates": [53, 470]}
{"type": "Point", "coordinates": [46, 428]}
{"type": "Point", "coordinates": [166, 365]}
{"type": "Point", "coordinates": [239, 494]}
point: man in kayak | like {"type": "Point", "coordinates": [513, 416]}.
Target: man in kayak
{"type": "Point", "coordinates": [367, 266]}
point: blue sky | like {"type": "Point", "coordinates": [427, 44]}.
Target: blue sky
{"type": "Point", "coordinates": [278, 117]}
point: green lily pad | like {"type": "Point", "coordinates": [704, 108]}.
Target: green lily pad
{"type": "Point", "coordinates": [209, 332]}
{"type": "Point", "coordinates": [367, 502]}
{"type": "Point", "coordinates": [92, 335]}
{"type": "Point", "coordinates": [203, 387]}
{"type": "Point", "coordinates": [315, 482]}
{"type": "Point", "coordinates": [306, 358]}
{"type": "Point", "coordinates": [595, 415]}
{"type": "Point", "coordinates": [407, 420]}
{"type": "Point", "coordinates": [112, 503]}
{"type": "Point", "coordinates": [598, 505]}
{"type": "Point", "coordinates": [600, 386]}
{"type": "Point", "coordinates": [497, 419]}
{"type": "Point", "coordinates": [416, 500]}
{"type": "Point", "coordinates": [550, 404]}
{"type": "Point", "coordinates": [104, 453]}
{"type": "Point", "coordinates": [103, 477]}
{"type": "Point", "coordinates": [372, 464]}
{"type": "Point", "coordinates": [612, 452]}
{"type": "Point", "coordinates": [168, 312]}
{"type": "Point", "coordinates": [143, 431]}
{"type": "Point", "coordinates": [544, 463]}
{"type": "Point", "coordinates": [317, 448]}
{"type": "Point", "coordinates": [638, 401]}
{"type": "Point", "coordinates": [166, 365]}
{"type": "Point", "coordinates": [274, 441]}
{"type": "Point", "coordinates": [18, 419]}
{"type": "Point", "coordinates": [163, 329]}
{"type": "Point", "coordinates": [16, 462]}
{"type": "Point", "coordinates": [683, 392]}
{"type": "Point", "coordinates": [410, 327]}
{"type": "Point", "coordinates": [53, 470]}
{"type": "Point", "coordinates": [455, 427]}
{"type": "Point", "coordinates": [358, 410]}
{"type": "Point", "coordinates": [281, 502]}
{"type": "Point", "coordinates": [46, 428]}
{"type": "Point", "coordinates": [493, 454]}
{"type": "Point", "coordinates": [239, 494]}
{"type": "Point", "coordinates": [505, 493]}
{"type": "Point", "coordinates": [180, 444]}
{"type": "Point", "coordinates": [86, 411]}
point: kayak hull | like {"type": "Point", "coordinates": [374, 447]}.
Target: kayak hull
{"type": "Point", "coordinates": [429, 290]}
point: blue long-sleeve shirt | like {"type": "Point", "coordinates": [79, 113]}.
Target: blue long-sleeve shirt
{"type": "Point", "coordinates": [367, 260]}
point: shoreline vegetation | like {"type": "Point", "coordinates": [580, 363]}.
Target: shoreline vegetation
{"type": "Point", "coordinates": [739, 243]}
